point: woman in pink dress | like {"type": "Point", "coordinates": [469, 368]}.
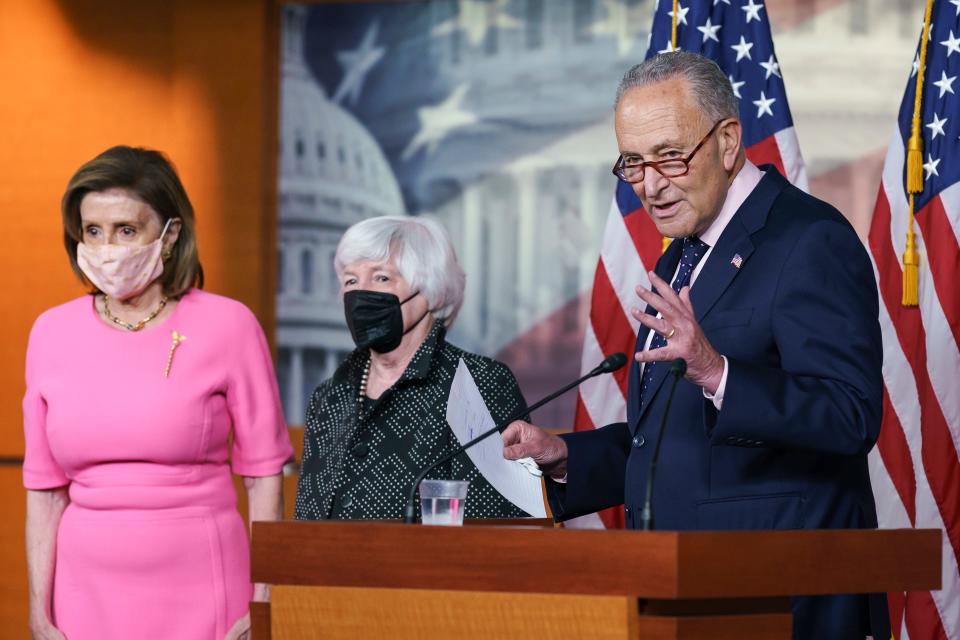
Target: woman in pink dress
{"type": "Point", "coordinates": [141, 399]}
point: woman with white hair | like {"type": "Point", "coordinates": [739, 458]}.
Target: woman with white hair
{"type": "Point", "coordinates": [382, 416]}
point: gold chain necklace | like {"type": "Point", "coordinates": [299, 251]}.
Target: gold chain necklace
{"type": "Point", "coordinates": [128, 326]}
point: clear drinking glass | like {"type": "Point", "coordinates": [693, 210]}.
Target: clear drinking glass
{"type": "Point", "coordinates": [443, 501]}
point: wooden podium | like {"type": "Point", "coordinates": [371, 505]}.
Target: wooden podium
{"type": "Point", "coordinates": [378, 579]}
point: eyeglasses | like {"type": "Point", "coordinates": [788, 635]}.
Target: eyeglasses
{"type": "Point", "coordinates": [633, 172]}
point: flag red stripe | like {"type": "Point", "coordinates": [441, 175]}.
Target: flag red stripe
{"type": "Point", "coordinates": [582, 419]}
{"type": "Point", "coordinates": [613, 518]}
{"type": "Point", "coordinates": [922, 618]}
{"type": "Point", "coordinates": [937, 451]}
{"type": "Point", "coordinates": [767, 151]}
{"type": "Point", "coordinates": [943, 256]}
{"type": "Point", "coordinates": [895, 454]}
{"type": "Point", "coordinates": [895, 604]}
{"type": "Point", "coordinates": [610, 323]}
{"type": "Point", "coordinates": [645, 237]}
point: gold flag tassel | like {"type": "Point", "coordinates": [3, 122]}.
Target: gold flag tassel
{"type": "Point", "coordinates": [673, 47]}
{"type": "Point", "coordinates": [911, 259]}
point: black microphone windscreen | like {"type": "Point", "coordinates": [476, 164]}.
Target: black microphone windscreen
{"type": "Point", "coordinates": [613, 362]}
{"type": "Point", "coordinates": [678, 367]}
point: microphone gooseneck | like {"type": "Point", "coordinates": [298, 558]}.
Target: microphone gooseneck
{"type": "Point", "coordinates": [677, 369]}
{"type": "Point", "coordinates": [610, 364]}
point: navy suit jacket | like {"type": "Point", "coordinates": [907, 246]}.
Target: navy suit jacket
{"type": "Point", "coordinates": [798, 323]}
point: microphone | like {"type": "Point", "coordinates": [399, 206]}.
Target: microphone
{"type": "Point", "coordinates": [677, 369]}
{"type": "Point", "coordinates": [610, 364]}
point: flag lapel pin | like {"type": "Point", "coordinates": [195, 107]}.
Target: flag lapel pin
{"type": "Point", "coordinates": [736, 260]}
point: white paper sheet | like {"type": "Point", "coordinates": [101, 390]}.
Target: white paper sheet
{"type": "Point", "coordinates": [468, 416]}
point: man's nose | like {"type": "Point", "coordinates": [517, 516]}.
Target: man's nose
{"type": "Point", "coordinates": [653, 183]}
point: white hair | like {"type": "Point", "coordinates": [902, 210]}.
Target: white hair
{"type": "Point", "coordinates": [420, 249]}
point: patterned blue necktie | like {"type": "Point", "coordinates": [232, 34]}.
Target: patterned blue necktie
{"type": "Point", "coordinates": [693, 251]}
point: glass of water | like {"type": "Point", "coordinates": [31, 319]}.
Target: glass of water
{"type": "Point", "coordinates": [443, 501]}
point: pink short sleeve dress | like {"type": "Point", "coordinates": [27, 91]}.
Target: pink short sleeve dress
{"type": "Point", "coordinates": [151, 544]}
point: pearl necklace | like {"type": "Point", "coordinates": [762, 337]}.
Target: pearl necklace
{"type": "Point", "coordinates": [363, 385]}
{"type": "Point", "coordinates": [132, 326]}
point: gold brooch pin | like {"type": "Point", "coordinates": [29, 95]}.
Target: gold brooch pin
{"type": "Point", "coordinates": [176, 340]}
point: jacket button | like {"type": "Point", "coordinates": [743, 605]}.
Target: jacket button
{"type": "Point", "coordinates": [638, 441]}
{"type": "Point", "coordinates": [346, 501]}
{"type": "Point", "coordinates": [361, 449]}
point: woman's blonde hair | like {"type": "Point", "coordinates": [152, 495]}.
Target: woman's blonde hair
{"type": "Point", "coordinates": [150, 177]}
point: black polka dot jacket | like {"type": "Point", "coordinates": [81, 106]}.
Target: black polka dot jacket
{"type": "Point", "coordinates": [359, 464]}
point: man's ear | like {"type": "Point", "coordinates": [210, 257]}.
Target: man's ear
{"type": "Point", "coordinates": [729, 135]}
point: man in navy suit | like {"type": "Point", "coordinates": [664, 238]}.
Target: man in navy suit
{"type": "Point", "coordinates": [769, 297]}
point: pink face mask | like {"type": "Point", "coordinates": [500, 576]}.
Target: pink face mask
{"type": "Point", "coordinates": [122, 271]}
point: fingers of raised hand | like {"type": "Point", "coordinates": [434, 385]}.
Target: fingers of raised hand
{"type": "Point", "coordinates": [655, 355]}
{"type": "Point", "coordinates": [659, 325]}
{"type": "Point", "coordinates": [667, 307]}
{"type": "Point", "coordinates": [669, 296]}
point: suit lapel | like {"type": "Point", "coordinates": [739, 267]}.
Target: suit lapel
{"type": "Point", "coordinates": [715, 276]}
{"type": "Point", "coordinates": [720, 270]}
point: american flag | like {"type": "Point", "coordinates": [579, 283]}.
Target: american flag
{"type": "Point", "coordinates": [915, 468]}
{"type": "Point", "coordinates": [736, 35]}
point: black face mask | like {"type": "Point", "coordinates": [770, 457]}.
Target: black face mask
{"type": "Point", "coordinates": [375, 319]}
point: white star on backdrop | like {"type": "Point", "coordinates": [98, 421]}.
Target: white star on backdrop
{"type": "Point", "coordinates": [930, 166]}
{"type": "Point", "coordinates": [668, 48]}
{"type": "Point", "coordinates": [763, 104]}
{"type": "Point", "coordinates": [936, 127]}
{"type": "Point", "coordinates": [681, 13]}
{"type": "Point", "coordinates": [357, 63]}
{"type": "Point", "coordinates": [736, 86]}
{"type": "Point", "coordinates": [956, 3]}
{"type": "Point", "coordinates": [952, 44]}
{"type": "Point", "coordinates": [743, 49]}
{"type": "Point", "coordinates": [772, 67]}
{"type": "Point", "coordinates": [945, 84]}
{"type": "Point", "coordinates": [753, 11]}
{"type": "Point", "coordinates": [476, 17]}
{"type": "Point", "coordinates": [438, 121]}
{"type": "Point", "coordinates": [916, 65]}
{"type": "Point", "coordinates": [709, 31]}
{"type": "Point", "coordinates": [727, 2]}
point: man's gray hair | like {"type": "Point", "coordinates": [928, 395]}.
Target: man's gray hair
{"type": "Point", "coordinates": [419, 248]}
{"type": "Point", "coordinates": [708, 85]}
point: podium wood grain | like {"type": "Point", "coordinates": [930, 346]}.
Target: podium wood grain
{"type": "Point", "coordinates": [656, 565]}
{"type": "Point", "coordinates": [370, 579]}
{"type": "Point", "coordinates": [302, 613]}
